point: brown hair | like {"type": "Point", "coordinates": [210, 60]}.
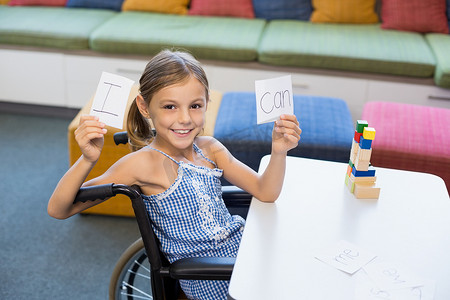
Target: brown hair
{"type": "Point", "coordinates": [165, 69]}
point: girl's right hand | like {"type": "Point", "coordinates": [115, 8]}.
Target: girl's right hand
{"type": "Point", "coordinates": [89, 136]}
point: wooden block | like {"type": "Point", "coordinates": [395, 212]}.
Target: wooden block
{"type": "Point", "coordinates": [354, 151]}
{"type": "Point", "coordinates": [362, 191]}
{"type": "Point", "coordinates": [365, 143]}
{"type": "Point", "coordinates": [349, 183]}
{"type": "Point", "coordinates": [349, 170]}
{"type": "Point", "coordinates": [360, 125]}
{"type": "Point", "coordinates": [369, 133]}
{"type": "Point", "coordinates": [369, 173]}
{"type": "Point", "coordinates": [357, 136]}
{"type": "Point", "coordinates": [362, 165]}
{"type": "Point", "coordinates": [363, 154]}
{"type": "Point", "coordinates": [370, 180]}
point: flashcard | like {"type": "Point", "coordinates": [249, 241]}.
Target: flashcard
{"type": "Point", "coordinates": [388, 276]}
{"type": "Point", "coordinates": [110, 100]}
{"type": "Point", "coordinates": [346, 257]}
{"type": "Point", "coordinates": [368, 290]}
{"type": "Point", "coordinates": [273, 98]}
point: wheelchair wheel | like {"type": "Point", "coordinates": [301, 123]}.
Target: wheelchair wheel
{"type": "Point", "coordinates": [131, 275]}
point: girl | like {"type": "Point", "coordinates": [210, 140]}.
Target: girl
{"type": "Point", "coordinates": [177, 170]}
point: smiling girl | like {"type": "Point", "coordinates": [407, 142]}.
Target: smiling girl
{"type": "Point", "coordinates": [178, 170]}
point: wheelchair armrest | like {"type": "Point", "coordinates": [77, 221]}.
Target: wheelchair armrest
{"type": "Point", "coordinates": [203, 268]}
{"type": "Point", "coordinates": [234, 196]}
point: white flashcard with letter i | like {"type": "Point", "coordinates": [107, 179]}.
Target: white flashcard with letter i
{"type": "Point", "coordinates": [273, 98]}
{"type": "Point", "coordinates": [110, 100]}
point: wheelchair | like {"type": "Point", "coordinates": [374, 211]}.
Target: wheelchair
{"type": "Point", "coordinates": [142, 271]}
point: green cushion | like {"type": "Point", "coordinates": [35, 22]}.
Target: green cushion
{"type": "Point", "coordinates": [440, 45]}
{"type": "Point", "coordinates": [365, 48]}
{"type": "Point", "coordinates": [218, 38]}
{"type": "Point", "coordinates": [56, 27]}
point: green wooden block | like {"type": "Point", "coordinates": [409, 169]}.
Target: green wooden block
{"type": "Point", "coordinates": [360, 124]}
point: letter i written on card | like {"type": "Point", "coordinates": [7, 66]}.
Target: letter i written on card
{"type": "Point", "coordinates": [110, 100]}
{"type": "Point", "coordinates": [273, 98]}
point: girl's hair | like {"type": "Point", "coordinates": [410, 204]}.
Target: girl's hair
{"type": "Point", "coordinates": [163, 70]}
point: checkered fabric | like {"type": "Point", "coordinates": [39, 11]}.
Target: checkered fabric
{"type": "Point", "coordinates": [190, 219]}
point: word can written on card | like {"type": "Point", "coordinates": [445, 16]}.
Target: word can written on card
{"type": "Point", "coordinates": [110, 100]}
{"type": "Point", "coordinates": [273, 98]}
{"type": "Point", "coordinates": [346, 257]}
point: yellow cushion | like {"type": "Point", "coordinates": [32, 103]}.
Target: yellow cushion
{"type": "Point", "coordinates": [159, 6]}
{"type": "Point", "coordinates": [4, 2]}
{"type": "Point", "coordinates": [348, 11]}
{"type": "Point", "coordinates": [121, 205]}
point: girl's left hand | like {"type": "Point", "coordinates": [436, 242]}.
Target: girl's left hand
{"type": "Point", "coordinates": [286, 134]}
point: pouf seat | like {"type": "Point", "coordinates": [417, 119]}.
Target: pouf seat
{"type": "Point", "coordinates": [410, 137]}
{"type": "Point", "coordinates": [326, 123]}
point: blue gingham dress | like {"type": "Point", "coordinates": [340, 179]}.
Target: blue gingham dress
{"type": "Point", "coordinates": [190, 219]}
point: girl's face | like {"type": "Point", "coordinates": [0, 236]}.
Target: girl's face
{"type": "Point", "coordinates": [178, 114]}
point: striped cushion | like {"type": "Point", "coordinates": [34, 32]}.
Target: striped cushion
{"type": "Point", "coordinates": [219, 38]}
{"type": "Point", "coordinates": [103, 4]}
{"type": "Point", "coordinates": [56, 27]}
{"type": "Point", "coordinates": [440, 44]}
{"type": "Point", "coordinates": [415, 15]}
{"type": "Point", "coordinates": [410, 137]}
{"type": "Point", "coordinates": [326, 123]}
{"type": "Point", "coordinates": [349, 11]}
{"type": "Point", "coordinates": [231, 8]}
{"type": "Point", "coordinates": [365, 48]}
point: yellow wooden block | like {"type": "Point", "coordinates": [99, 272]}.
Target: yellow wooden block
{"type": "Point", "coordinates": [363, 191]}
{"type": "Point", "coordinates": [369, 133]}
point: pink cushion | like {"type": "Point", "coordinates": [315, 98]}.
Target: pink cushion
{"type": "Point", "coordinates": [38, 2]}
{"type": "Point", "coordinates": [230, 8]}
{"type": "Point", "coordinates": [410, 137]}
{"type": "Point", "coordinates": [415, 15]}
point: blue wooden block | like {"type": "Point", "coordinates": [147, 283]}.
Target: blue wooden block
{"type": "Point", "coordinates": [368, 173]}
{"type": "Point", "coordinates": [365, 143]}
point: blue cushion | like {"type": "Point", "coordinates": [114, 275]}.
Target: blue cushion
{"type": "Point", "coordinates": [326, 123]}
{"type": "Point", "coordinates": [282, 9]}
{"type": "Point", "coordinates": [102, 4]}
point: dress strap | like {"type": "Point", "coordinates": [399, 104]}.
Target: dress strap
{"type": "Point", "coordinates": [165, 154]}
{"type": "Point", "coordinates": [199, 151]}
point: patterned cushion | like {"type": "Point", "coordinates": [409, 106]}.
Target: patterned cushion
{"type": "Point", "coordinates": [38, 2]}
{"type": "Point", "coordinates": [440, 44]}
{"type": "Point", "coordinates": [56, 27]}
{"type": "Point", "coordinates": [410, 137]}
{"type": "Point", "coordinates": [415, 15]}
{"type": "Point", "coordinates": [364, 48]}
{"type": "Point", "coordinates": [326, 123]}
{"type": "Point", "coordinates": [282, 9]}
{"type": "Point", "coordinates": [232, 8]}
{"type": "Point", "coordinates": [103, 4]}
{"type": "Point", "coordinates": [160, 6]}
{"type": "Point", "coordinates": [207, 38]}
{"type": "Point", "coordinates": [349, 11]}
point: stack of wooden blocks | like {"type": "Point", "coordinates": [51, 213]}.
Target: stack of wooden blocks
{"type": "Point", "coordinates": [360, 178]}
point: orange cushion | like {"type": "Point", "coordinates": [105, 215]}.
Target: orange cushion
{"type": "Point", "coordinates": [158, 6]}
{"type": "Point", "coordinates": [38, 2]}
{"type": "Point", "coordinates": [230, 8]}
{"type": "Point", "coordinates": [415, 15]}
{"type": "Point", "coordinates": [349, 11]}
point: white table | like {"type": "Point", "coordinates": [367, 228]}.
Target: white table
{"type": "Point", "coordinates": [408, 225]}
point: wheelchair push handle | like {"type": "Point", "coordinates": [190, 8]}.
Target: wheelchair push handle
{"type": "Point", "coordinates": [91, 193]}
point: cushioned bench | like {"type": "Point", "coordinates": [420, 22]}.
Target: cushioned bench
{"type": "Point", "coordinates": [326, 123]}
{"type": "Point", "coordinates": [410, 137]}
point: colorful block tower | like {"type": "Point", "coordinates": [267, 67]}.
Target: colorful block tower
{"type": "Point", "coordinates": [360, 178]}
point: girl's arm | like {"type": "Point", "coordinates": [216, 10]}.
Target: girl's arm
{"type": "Point", "coordinates": [89, 136]}
{"type": "Point", "coordinates": [267, 186]}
